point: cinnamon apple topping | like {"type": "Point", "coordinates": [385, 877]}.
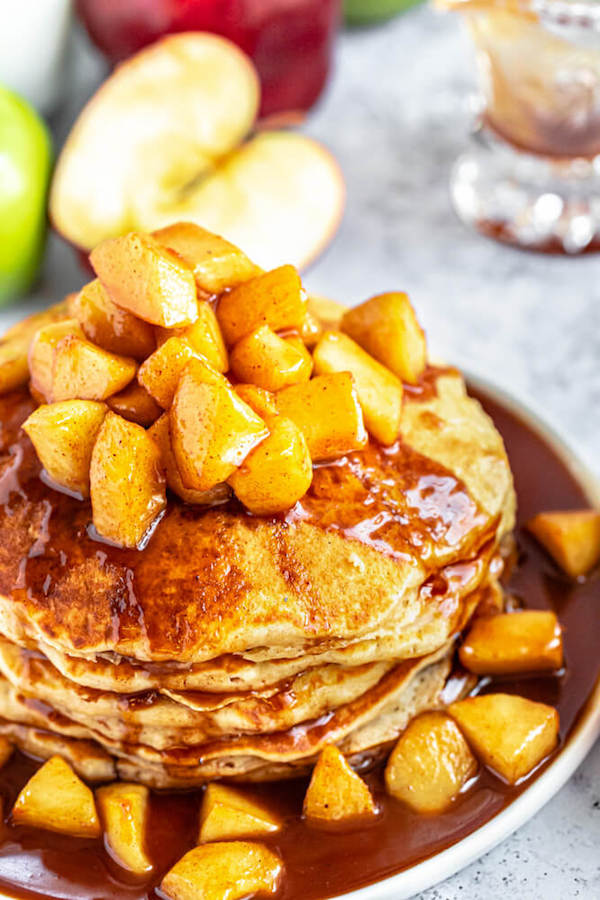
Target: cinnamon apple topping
{"type": "Point", "coordinates": [240, 391]}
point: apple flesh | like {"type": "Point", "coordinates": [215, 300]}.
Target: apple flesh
{"type": "Point", "coordinates": [289, 41]}
{"type": "Point", "coordinates": [26, 157]}
{"type": "Point", "coordinates": [186, 154]}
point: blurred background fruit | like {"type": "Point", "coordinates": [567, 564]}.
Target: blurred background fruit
{"type": "Point", "coordinates": [25, 159]}
{"type": "Point", "coordinates": [364, 12]}
{"type": "Point", "coordinates": [289, 41]}
{"type": "Point", "coordinates": [191, 152]}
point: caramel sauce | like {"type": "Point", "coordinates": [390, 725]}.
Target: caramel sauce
{"type": "Point", "coordinates": [36, 864]}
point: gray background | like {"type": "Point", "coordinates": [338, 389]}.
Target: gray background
{"type": "Point", "coordinates": [396, 115]}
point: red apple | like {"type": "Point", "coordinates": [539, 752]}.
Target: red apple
{"type": "Point", "coordinates": [289, 41]}
{"type": "Point", "coordinates": [169, 137]}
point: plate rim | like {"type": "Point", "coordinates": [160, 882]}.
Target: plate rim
{"type": "Point", "coordinates": [437, 868]}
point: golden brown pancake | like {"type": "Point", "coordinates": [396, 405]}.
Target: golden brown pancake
{"type": "Point", "coordinates": [238, 646]}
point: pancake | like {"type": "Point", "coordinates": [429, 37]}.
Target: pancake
{"type": "Point", "coordinates": [361, 727]}
{"type": "Point", "coordinates": [317, 580]}
{"type": "Point", "coordinates": [239, 646]}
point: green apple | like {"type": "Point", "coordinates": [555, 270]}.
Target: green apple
{"type": "Point", "coordinates": [25, 160]}
{"type": "Point", "coordinates": [363, 12]}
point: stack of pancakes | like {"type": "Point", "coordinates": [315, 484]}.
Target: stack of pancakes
{"type": "Point", "coordinates": [235, 646]}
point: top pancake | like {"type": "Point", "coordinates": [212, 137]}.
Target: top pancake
{"type": "Point", "coordinates": [354, 563]}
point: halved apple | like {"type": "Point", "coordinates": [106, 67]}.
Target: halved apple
{"type": "Point", "coordinates": [186, 154]}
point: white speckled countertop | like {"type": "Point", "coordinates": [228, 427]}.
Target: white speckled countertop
{"type": "Point", "coordinates": [395, 116]}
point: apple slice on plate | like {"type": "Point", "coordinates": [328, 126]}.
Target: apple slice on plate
{"type": "Point", "coordinates": [169, 136]}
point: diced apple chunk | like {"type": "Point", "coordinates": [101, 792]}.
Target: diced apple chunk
{"type": "Point", "coordinates": [510, 734]}
{"type": "Point", "coordinates": [212, 429]}
{"type": "Point", "coordinates": [276, 299]}
{"type": "Point", "coordinates": [379, 390]}
{"type": "Point", "coordinates": [64, 435]}
{"type": "Point", "coordinates": [327, 412]}
{"type": "Point", "coordinates": [430, 763]}
{"type": "Point", "coordinates": [528, 641]}
{"type": "Point", "coordinates": [295, 341]}
{"type": "Point", "coordinates": [160, 432]}
{"type": "Point", "coordinates": [41, 354]}
{"type": "Point", "coordinates": [228, 814]}
{"type": "Point", "coordinates": [270, 362]}
{"type": "Point", "coordinates": [277, 473]}
{"type": "Point", "coordinates": [127, 483]}
{"type": "Point", "coordinates": [571, 537]}
{"type": "Point", "coordinates": [55, 799]}
{"type": "Point", "coordinates": [228, 869]}
{"type": "Point", "coordinates": [144, 277]}
{"type": "Point", "coordinates": [124, 812]}
{"type": "Point", "coordinates": [110, 326]}
{"type": "Point", "coordinates": [135, 404]}
{"type": "Point", "coordinates": [262, 402]}
{"type": "Point", "coordinates": [215, 262]}
{"type": "Point", "coordinates": [336, 794]}
{"type": "Point", "coordinates": [15, 343]}
{"type": "Point", "coordinates": [83, 371]}
{"type": "Point", "coordinates": [204, 336]}
{"type": "Point", "coordinates": [161, 372]}
{"type": "Point", "coordinates": [386, 327]}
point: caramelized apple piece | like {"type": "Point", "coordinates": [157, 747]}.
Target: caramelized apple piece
{"type": "Point", "coordinates": [41, 354]}
{"type": "Point", "coordinates": [231, 869]}
{"type": "Point", "coordinates": [295, 341]}
{"type": "Point", "coordinates": [127, 484]}
{"type": "Point", "coordinates": [571, 537]}
{"type": "Point", "coordinates": [270, 362]}
{"type": "Point", "coordinates": [109, 326]}
{"type": "Point", "coordinates": [64, 435]}
{"type": "Point", "coordinates": [336, 793]}
{"type": "Point", "coordinates": [379, 390]}
{"type": "Point", "coordinates": [212, 429]}
{"type": "Point", "coordinates": [161, 372]}
{"type": "Point", "coordinates": [160, 432]}
{"type": "Point", "coordinates": [215, 262]}
{"type": "Point", "coordinates": [6, 751]}
{"type": "Point", "coordinates": [386, 327]}
{"type": "Point", "coordinates": [55, 799]}
{"type": "Point", "coordinates": [124, 812]}
{"type": "Point", "coordinates": [83, 371]}
{"type": "Point", "coordinates": [528, 641]}
{"type": "Point", "coordinates": [204, 336]}
{"type": "Point", "coordinates": [277, 473]}
{"type": "Point", "coordinates": [135, 404]}
{"type": "Point", "coordinates": [227, 814]}
{"type": "Point", "coordinates": [276, 299]}
{"type": "Point", "coordinates": [14, 346]}
{"type": "Point", "coordinates": [327, 412]}
{"type": "Point", "coordinates": [262, 402]}
{"type": "Point", "coordinates": [509, 734]}
{"type": "Point", "coordinates": [143, 276]}
{"type": "Point", "coordinates": [429, 764]}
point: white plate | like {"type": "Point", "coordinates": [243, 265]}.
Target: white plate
{"type": "Point", "coordinates": [442, 865]}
